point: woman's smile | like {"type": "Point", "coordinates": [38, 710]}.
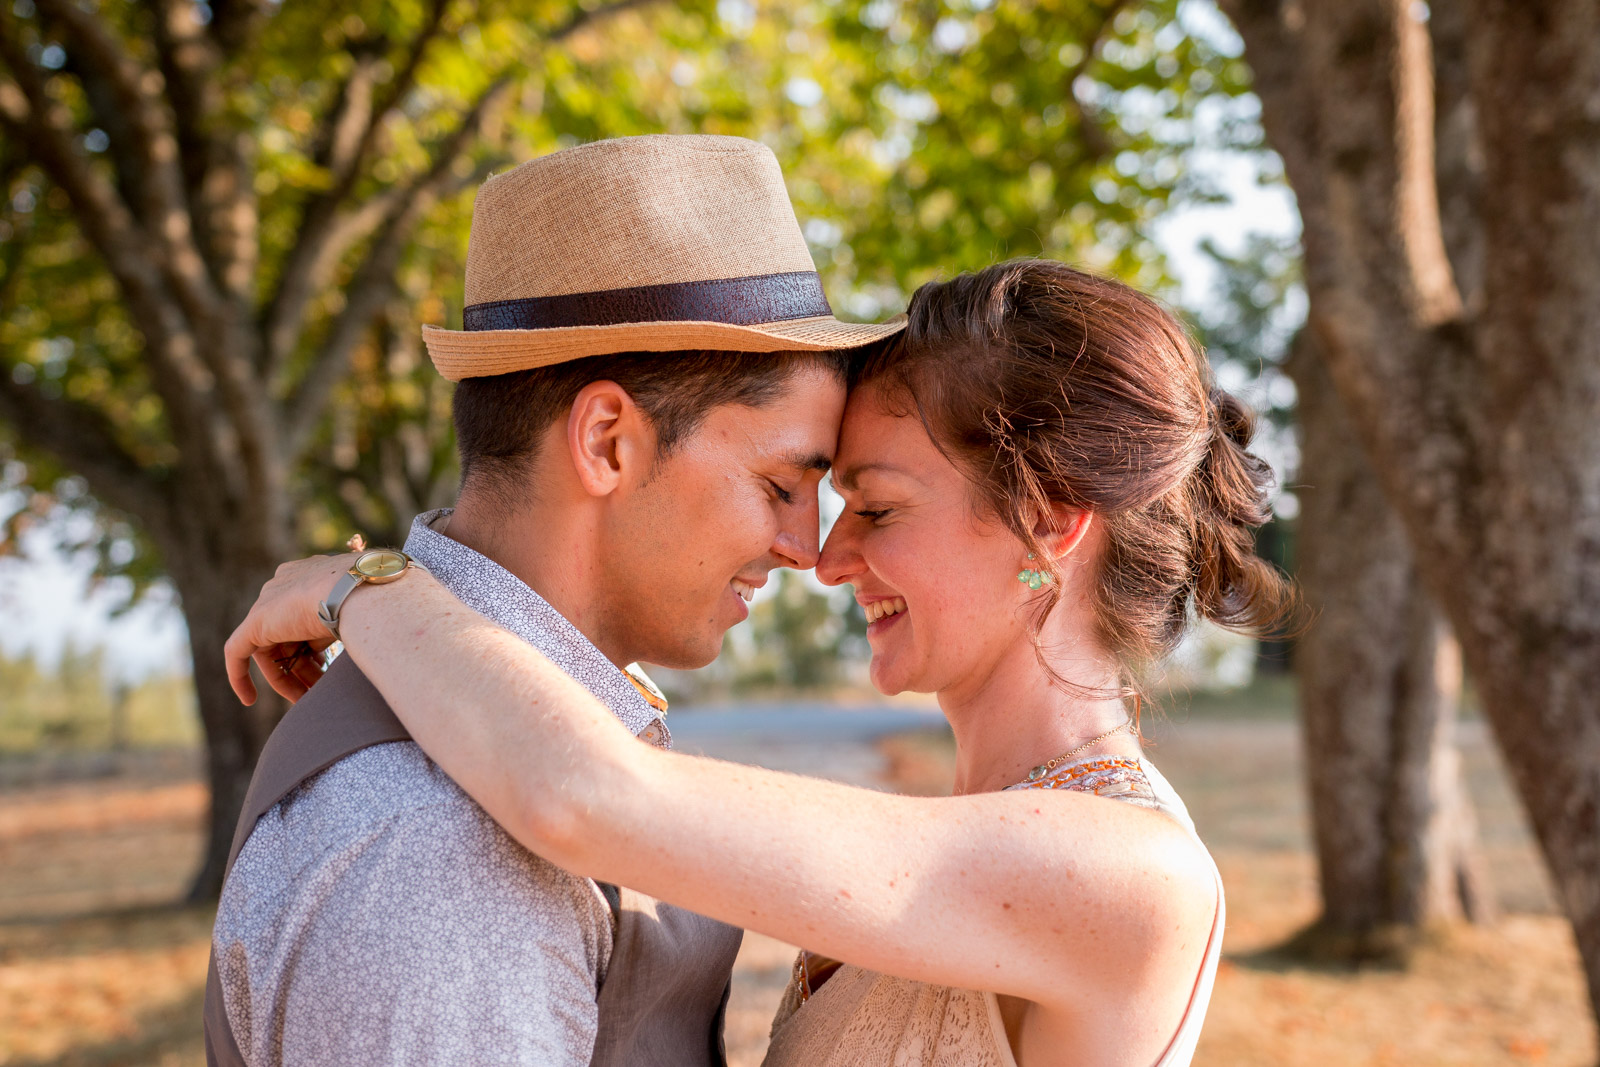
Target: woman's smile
{"type": "Point", "coordinates": [879, 626]}
{"type": "Point", "coordinates": [882, 613]}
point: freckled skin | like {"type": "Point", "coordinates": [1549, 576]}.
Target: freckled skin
{"type": "Point", "coordinates": [949, 565]}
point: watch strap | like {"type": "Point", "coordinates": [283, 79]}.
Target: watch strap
{"type": "Point", "coordinates": [328, 610]}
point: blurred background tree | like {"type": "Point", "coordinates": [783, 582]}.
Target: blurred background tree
{"type": "Point", "coordinates": [224, 221]}
{"type": "Point", "coordinates": [1379, 675]}
{"type": "Point", "coordinates": [1443, 157]}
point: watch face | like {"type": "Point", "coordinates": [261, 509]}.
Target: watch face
{"type": "Point", "coordinates": [380, 563]}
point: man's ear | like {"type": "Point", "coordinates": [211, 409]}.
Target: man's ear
{"type": "Point", "coordinates": [1063, 530]}
{"type": "Point", "coordinates": [610, 440]}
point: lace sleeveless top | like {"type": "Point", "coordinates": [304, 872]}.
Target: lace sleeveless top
{"type": "Point", "coordinates": [860, 1018]}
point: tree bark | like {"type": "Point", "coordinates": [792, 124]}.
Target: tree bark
{"type": "Point", "coordinates": [1479, 413]}
{"type": "Point", "coordinates": [1380, 683]}
{"type": "Point", "coordinates": [218, 569]}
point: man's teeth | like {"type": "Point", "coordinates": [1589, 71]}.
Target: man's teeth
{"type": "Point", "coordinates": [744, 589]}
{"type": "Point", "coordinates": [882, 609]}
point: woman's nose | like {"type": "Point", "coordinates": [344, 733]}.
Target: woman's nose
{"type": "Point", "coordinates": [840, 559]}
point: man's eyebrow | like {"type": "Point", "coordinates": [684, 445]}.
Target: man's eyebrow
{"type": "Point", "coordinates": [807, 461]}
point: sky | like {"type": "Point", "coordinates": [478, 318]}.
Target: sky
{"type": "Point", "coordinates": [47, 602]}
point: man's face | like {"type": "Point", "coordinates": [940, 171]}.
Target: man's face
{"type": "Point", "coordinates": [706, 526]}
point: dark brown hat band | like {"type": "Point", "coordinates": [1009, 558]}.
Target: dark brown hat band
{"type": "Point", "coordinates": [749, 301]}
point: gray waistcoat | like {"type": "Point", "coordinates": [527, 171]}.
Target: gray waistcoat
{"type": "Point", "coordinates": [665, 991]}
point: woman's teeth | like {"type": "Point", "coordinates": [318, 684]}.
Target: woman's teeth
{"type": "Point", "coordinates": [744, 589]}
{"type": "Point", "coordinates": [882, 609]}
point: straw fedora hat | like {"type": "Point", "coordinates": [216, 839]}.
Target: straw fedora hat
{"type": "Point", "coordinates": [641, 244]}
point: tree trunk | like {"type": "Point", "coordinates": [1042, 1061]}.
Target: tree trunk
{"type": "Point", "coordinates": [1481, 412]}
{"type": "Point", "coordinates": [1379, 688]}
{"type": "Point", "coordinates": [216, 594]}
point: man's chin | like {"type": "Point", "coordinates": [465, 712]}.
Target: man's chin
{"type": "Point", "coordinates": [685, 656]}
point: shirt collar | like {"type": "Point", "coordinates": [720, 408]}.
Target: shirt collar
{"type": "Point", "coordinates": [503, 598]}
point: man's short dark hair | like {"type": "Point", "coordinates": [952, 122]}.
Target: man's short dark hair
{"type": "Point", "coordinates": [500, 420]}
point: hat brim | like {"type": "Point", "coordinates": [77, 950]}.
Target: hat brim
{"type": "Point", "coordinates": [462, 354]}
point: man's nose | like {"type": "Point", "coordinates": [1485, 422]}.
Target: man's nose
{"type": "Point", "coordinates": [796, 542]}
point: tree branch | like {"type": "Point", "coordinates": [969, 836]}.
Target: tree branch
{"type": "Point", "coordinates": [41, 126]}
{"type": "Point", "coordinates": [349, 121]}
{"type": "Point", "coordinates": [343, 145]}
{"type": "Point", "coordinates": [15, 244]}
{"type": "Point", "coordinates": [1537, 115]}
{"type": "Point", "coordinates": [1274, 46]}
{"type": "Point", "coordinates": [235, 457]}
{"type": "Point", "coordinates": [588, 16]}
{"type": "Point", "coordinates": [83, 440]}
{"type": "Point", "coordinates": [234, 23]}
{"type": "Point", "coordinates": [192, 359]}
{"type": "Point", "coordinates": [1346, 102]}
{"type": "Point", "coordinates": [214, 326]}
{"type": "Point", "coordinates": [323, 236]}
{"type": "Point", "coordinates": [164, 211]}
{"type": "Point", "coordinates": [216, 176]}
{"type": "Point", "coordinates": [374, 279]}
{"type": "Point", "coordinates": [1435, 298]}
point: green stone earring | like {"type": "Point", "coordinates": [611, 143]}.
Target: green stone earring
{"type": "Point", "coordinates": [1031, 578]}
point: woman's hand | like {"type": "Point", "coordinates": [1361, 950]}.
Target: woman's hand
{"type": "Point", "coordinates": [283, 632]}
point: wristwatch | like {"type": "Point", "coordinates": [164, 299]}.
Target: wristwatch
{"type": "Point", "coordinates": [377, 566]}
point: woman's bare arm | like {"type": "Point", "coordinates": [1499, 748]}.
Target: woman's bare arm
{"type": "Point", "coordinates": [1044, 895]}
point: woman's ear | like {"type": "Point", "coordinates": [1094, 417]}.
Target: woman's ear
{"type": "Point", "coordinates": [1063, 530]}
{"type": "Point", "coordinates": [610, 440]}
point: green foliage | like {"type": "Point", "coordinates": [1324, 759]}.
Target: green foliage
{"type": "Point", "coordinates": [77, 706]}
{"type": "Point", "coordinates": [919, 137]}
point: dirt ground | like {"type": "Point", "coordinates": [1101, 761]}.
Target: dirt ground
{"type": "Point", "coordinates": [96, 968]}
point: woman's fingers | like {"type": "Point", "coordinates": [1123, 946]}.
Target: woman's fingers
{"type": "Point", "coordinates": [302, 663]}
{"type": "Point", "coordinates": [309, 668]}
{"type": "Point", "coordinates": [284, 682]}
{"type": "Point", "coordinates": [284, 617]}
{"type": "Point", "coordinates": [236, 654]}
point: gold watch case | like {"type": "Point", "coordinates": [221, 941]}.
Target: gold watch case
{"type": "Point", "coordinates": [376, 566]}
{"type": "Point", "coordinates": [380, 565]}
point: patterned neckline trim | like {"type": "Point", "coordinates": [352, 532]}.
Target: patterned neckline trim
{"type": "Point", "coordinates": [1089, 774]}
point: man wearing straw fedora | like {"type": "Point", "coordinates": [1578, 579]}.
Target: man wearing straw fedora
{"type": "Point", "coordinates": [651, 382]}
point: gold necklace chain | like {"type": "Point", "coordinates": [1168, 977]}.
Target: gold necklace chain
{"type": "Point", "coordinates": [1045, 768]}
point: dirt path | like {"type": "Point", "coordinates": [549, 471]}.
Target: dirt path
{"type": "Point", "coordinates": [86, 980]}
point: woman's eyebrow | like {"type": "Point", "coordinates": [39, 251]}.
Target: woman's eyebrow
{"type": "Point", "coordinates": [847, 478]}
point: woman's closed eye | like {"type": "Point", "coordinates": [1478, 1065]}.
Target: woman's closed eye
{"type": "Point", "coordinates": [785, 495]}
{"type": "Point", "coordinates": [874, 515]}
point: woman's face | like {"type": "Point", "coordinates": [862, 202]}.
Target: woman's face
{"type": "Point", "coordinates": [938, 582]}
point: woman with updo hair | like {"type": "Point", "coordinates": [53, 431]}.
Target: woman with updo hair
{"type": "Point", "coordinates": [1043, 488]}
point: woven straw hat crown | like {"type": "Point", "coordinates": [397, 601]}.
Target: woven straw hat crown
{"type": "Point", "coordinates": [655, 243]}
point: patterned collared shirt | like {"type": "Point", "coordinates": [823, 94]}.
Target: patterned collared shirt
{"type": "Point", "coordinates": [378, 915]}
